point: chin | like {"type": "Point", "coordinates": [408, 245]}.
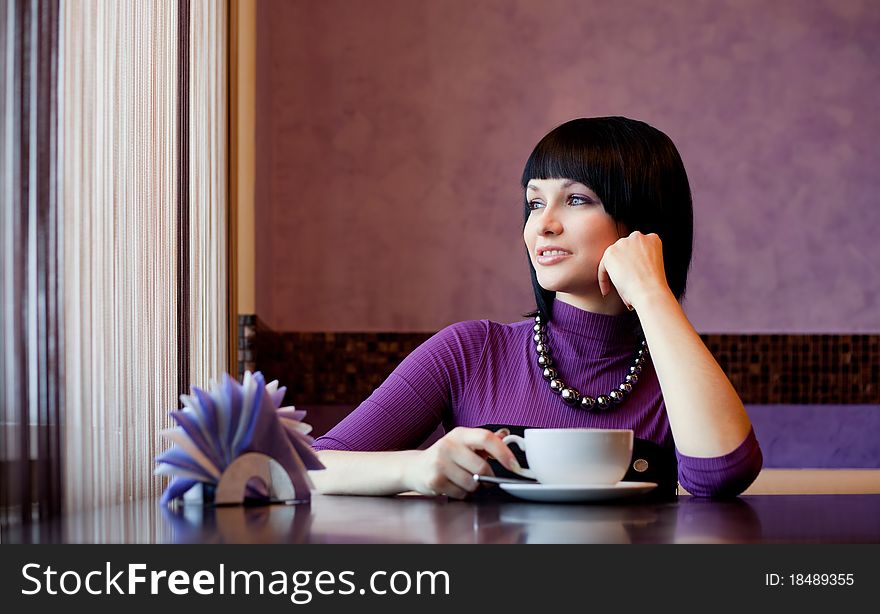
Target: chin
{"type": "Point", "coordinates": [560, 287]}
{"type": "Point", "coordinates": [557, 288]}
{"type": "Point", "coordinates": [560, 280]}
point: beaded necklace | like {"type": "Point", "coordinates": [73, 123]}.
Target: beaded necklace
{"type": "Point", "coordinates": [571, 395]}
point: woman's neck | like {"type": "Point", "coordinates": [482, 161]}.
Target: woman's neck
{"type": "Point", "coordinates": [611, 305]}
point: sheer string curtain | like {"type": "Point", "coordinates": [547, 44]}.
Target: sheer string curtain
{"type": "Point", "coordinates": [208, 184]}
{"type": "Point", "coordinates": [30, 370]}
{"type": "Point", "coordinates": [129, 164]}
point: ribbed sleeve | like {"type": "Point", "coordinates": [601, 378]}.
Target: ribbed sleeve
{"type": "Point", "coordinates": [722, 476]}
{"type": "Point", "coordinates": [409, 405]}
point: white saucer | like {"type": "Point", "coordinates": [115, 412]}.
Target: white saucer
{"type": "Point", "coordinates": [563, 492]}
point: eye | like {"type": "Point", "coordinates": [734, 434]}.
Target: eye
{"type": "Point", "coordinates": [535, 204]}
{"type": "Point", "coordinates": [577, 199]}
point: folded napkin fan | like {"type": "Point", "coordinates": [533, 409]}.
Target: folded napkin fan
{"type": "Point", "coordinates": [214, 428]}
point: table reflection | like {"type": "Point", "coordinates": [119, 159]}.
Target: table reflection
{"type": "Point", "coordinates": [436, 520]}
{"type": "Point", "coordinates": [554, 524]}
{"type": "Point", "coordinates": [412, 519]}
{"type": "Point", "coordinates": [704, 521]}
{"type": "Point", "coordinates": [238, 524]}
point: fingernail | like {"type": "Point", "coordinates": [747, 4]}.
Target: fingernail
{"type": "Point", "coordinates": [502, 432]}
{"type": "Point", "coordinates": [514, 464]}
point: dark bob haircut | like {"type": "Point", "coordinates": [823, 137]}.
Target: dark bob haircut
{"type": "Point", "coordinates": [638, 175]}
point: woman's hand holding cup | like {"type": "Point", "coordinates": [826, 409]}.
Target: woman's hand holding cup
{"type": "Point", "coordinates": [448, 466]}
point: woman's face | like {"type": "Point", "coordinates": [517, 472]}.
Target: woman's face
{"type": "Point", "coordinates": [567, 233]}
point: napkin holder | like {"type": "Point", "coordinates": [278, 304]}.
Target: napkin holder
{"type": "Point", "coordinates": [236, 445]}
{"type": "Point", "coordinates": [253, 465]}
{"type": "Point", "coordinates": [232, 487]}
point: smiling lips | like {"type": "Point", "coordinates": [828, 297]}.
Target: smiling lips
{"type": "Point", "coordinates": [551, 254]}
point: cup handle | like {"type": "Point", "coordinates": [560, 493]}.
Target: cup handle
{"type": "Point", "coordinates": [521, 444]}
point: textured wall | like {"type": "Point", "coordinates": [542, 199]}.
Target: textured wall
{"type": "Point", "coordinates": [391, 136]}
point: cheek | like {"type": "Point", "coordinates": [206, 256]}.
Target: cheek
{"type": "Point", "coordinates": [528, 235]}
{"type": "Point", "coordinates": [598, 237]}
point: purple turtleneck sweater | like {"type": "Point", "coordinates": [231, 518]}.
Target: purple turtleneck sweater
{"type": "Point", "coordinates": [481, 372]}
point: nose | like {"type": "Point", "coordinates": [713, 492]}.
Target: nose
{"type": "Point", "coordinates": [549, 222]}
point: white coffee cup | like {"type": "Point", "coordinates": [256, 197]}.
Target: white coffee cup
{"type": "Point", "coordinates": [575, 456]}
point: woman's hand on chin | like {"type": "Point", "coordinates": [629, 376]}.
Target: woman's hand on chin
{"type": "Point", "coordinates": [448, 466]}
{"type": "Point", "coordinates": [633, 265]}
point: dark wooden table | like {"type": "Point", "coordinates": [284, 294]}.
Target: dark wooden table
{"type": "Point", "coordinates": [416, 519]}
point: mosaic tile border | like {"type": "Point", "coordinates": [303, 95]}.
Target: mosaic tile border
{"type": "Point", "coordinates": [344, 368]}
{"type": "Point", "coordinates": [331, 368]}
{"type": "Point", "coordinates": [801, 369]}
{"type": "Point", "coordinates": [247, 332]}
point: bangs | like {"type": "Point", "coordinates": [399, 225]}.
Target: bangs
{"type": "Point", "coordinates": [549, 161]}
{"type": "Point", "coordinates": [584, 154]}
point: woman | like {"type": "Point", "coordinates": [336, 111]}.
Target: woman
{"type": "Point", "coordinates": [609, 233]}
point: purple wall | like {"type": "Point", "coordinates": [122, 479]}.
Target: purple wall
{"type": "Point", "coordinates": [391, 136]}
{"type": "Point", "coordinates": [818, 436]}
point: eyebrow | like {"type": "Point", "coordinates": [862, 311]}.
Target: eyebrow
{"type": "Point", "coordinates": [567, 183]}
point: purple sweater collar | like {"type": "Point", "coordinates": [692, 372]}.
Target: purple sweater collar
{"type": "Point", "coordinates": [595, 330]}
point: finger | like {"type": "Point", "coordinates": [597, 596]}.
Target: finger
{"type": "Point", "coordinates": [461, 478]}
{"type": "Point", "coordinates": [456, 493]}
{"type": "Point", "coordinates": [471, 461]}
{"type": "Point", "coordinates": [501, 433]}
{"type": "Point", "coordinates": [481, 439]}
{"type": "Point", "coordinates": [604, 278]}
{"type": "Point", "coordinates": [449, 488]}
